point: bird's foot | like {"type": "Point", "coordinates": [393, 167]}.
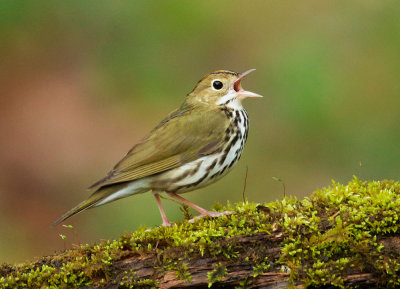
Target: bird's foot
{"type": "Point", "coordinates": [211, 214]}
{"type": "Point", "coordinates": [166, 223]}
{"type": "Point", "coordinates": [217, 214]}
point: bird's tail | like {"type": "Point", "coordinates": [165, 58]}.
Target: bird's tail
{"type": "Point", "coordinates": [97, 198]}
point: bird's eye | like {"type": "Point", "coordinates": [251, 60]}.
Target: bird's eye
{"type": "Point", "coordinates": [217, 84]}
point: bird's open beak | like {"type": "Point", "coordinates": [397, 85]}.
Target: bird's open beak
{"type": "Point", "coordinates": [238, 88]}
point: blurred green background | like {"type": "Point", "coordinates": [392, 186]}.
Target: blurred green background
{"type": "Point", "coordinates": [82, 81]}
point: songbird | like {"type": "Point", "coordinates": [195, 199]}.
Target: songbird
{"type": "Point", "coordinates": [194, 146]}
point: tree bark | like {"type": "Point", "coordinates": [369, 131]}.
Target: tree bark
{"type": "Point", "coordinates": [146, 267]}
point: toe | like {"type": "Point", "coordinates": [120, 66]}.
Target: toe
{"type": "Point", "coordinates": [166, 224]}
{"type": "Point", "coordinates": [211, 214]}
{"type": "Point", "coordinates": [218, 214]}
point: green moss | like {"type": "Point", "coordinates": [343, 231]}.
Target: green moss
{"type": "Point", "coordinates": [357, 217]}
{"type": "Point", "coordinates": [261, 268]}
{"type": "Point", "coordinates": [217, 274]}
{"type": "Point", "coordinates": [337, 230]}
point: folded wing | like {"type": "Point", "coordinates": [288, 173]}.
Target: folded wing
{"type": "Point", "coordinates": [183, 136]}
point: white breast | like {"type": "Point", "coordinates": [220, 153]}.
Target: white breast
{"type": "Point", "coordinates": [208, 169]}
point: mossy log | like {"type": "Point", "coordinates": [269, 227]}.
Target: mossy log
{"type": "Point", "coordinates": [342, 236]}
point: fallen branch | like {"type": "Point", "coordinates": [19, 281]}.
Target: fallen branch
{"type": "Point", "coordinates": [342, 236]}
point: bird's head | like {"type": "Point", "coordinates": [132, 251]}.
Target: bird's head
{"type": "Point", "coordinates": [221, 87]}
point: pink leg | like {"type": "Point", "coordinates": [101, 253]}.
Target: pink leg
{"type": "Point", "coordinates": [165, 222]}
{"type": "Point", "coordinates": [202, 211]}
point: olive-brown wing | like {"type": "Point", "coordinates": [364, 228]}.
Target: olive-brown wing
{"type": "Point", "coordinates": [182, 137]}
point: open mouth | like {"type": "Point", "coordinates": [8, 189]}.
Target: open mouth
{"type": "Point", "coordinates": [236, 85]}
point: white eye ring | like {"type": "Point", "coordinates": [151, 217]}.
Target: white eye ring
{"type": "Point", "coordinates": [217, 84]}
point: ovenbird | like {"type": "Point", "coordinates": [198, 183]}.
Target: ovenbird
{"type": "Point", "coordinates": [194, 146]}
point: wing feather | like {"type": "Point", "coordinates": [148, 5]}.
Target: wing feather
{"type": "Point", "coordinates": [186, 134]}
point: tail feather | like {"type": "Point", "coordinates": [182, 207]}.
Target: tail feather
{"type": "Point", "coordinates": [95, 199]}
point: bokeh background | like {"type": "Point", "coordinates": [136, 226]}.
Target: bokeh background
{"type": "Point", "coordinates": [82, 81]}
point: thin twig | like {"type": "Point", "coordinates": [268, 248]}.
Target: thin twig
{"type": "Point", "coordinates": [283, 185]}
{"type": "Point", "coordinates": [77, 236]}
{"type": "Point", "coordinates": [245, 183]}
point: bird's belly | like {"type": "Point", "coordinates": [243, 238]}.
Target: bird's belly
{"type": "Point", "coordinates": [201, 172]}
{"type": "Point", "coordinates": [207, 169]}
